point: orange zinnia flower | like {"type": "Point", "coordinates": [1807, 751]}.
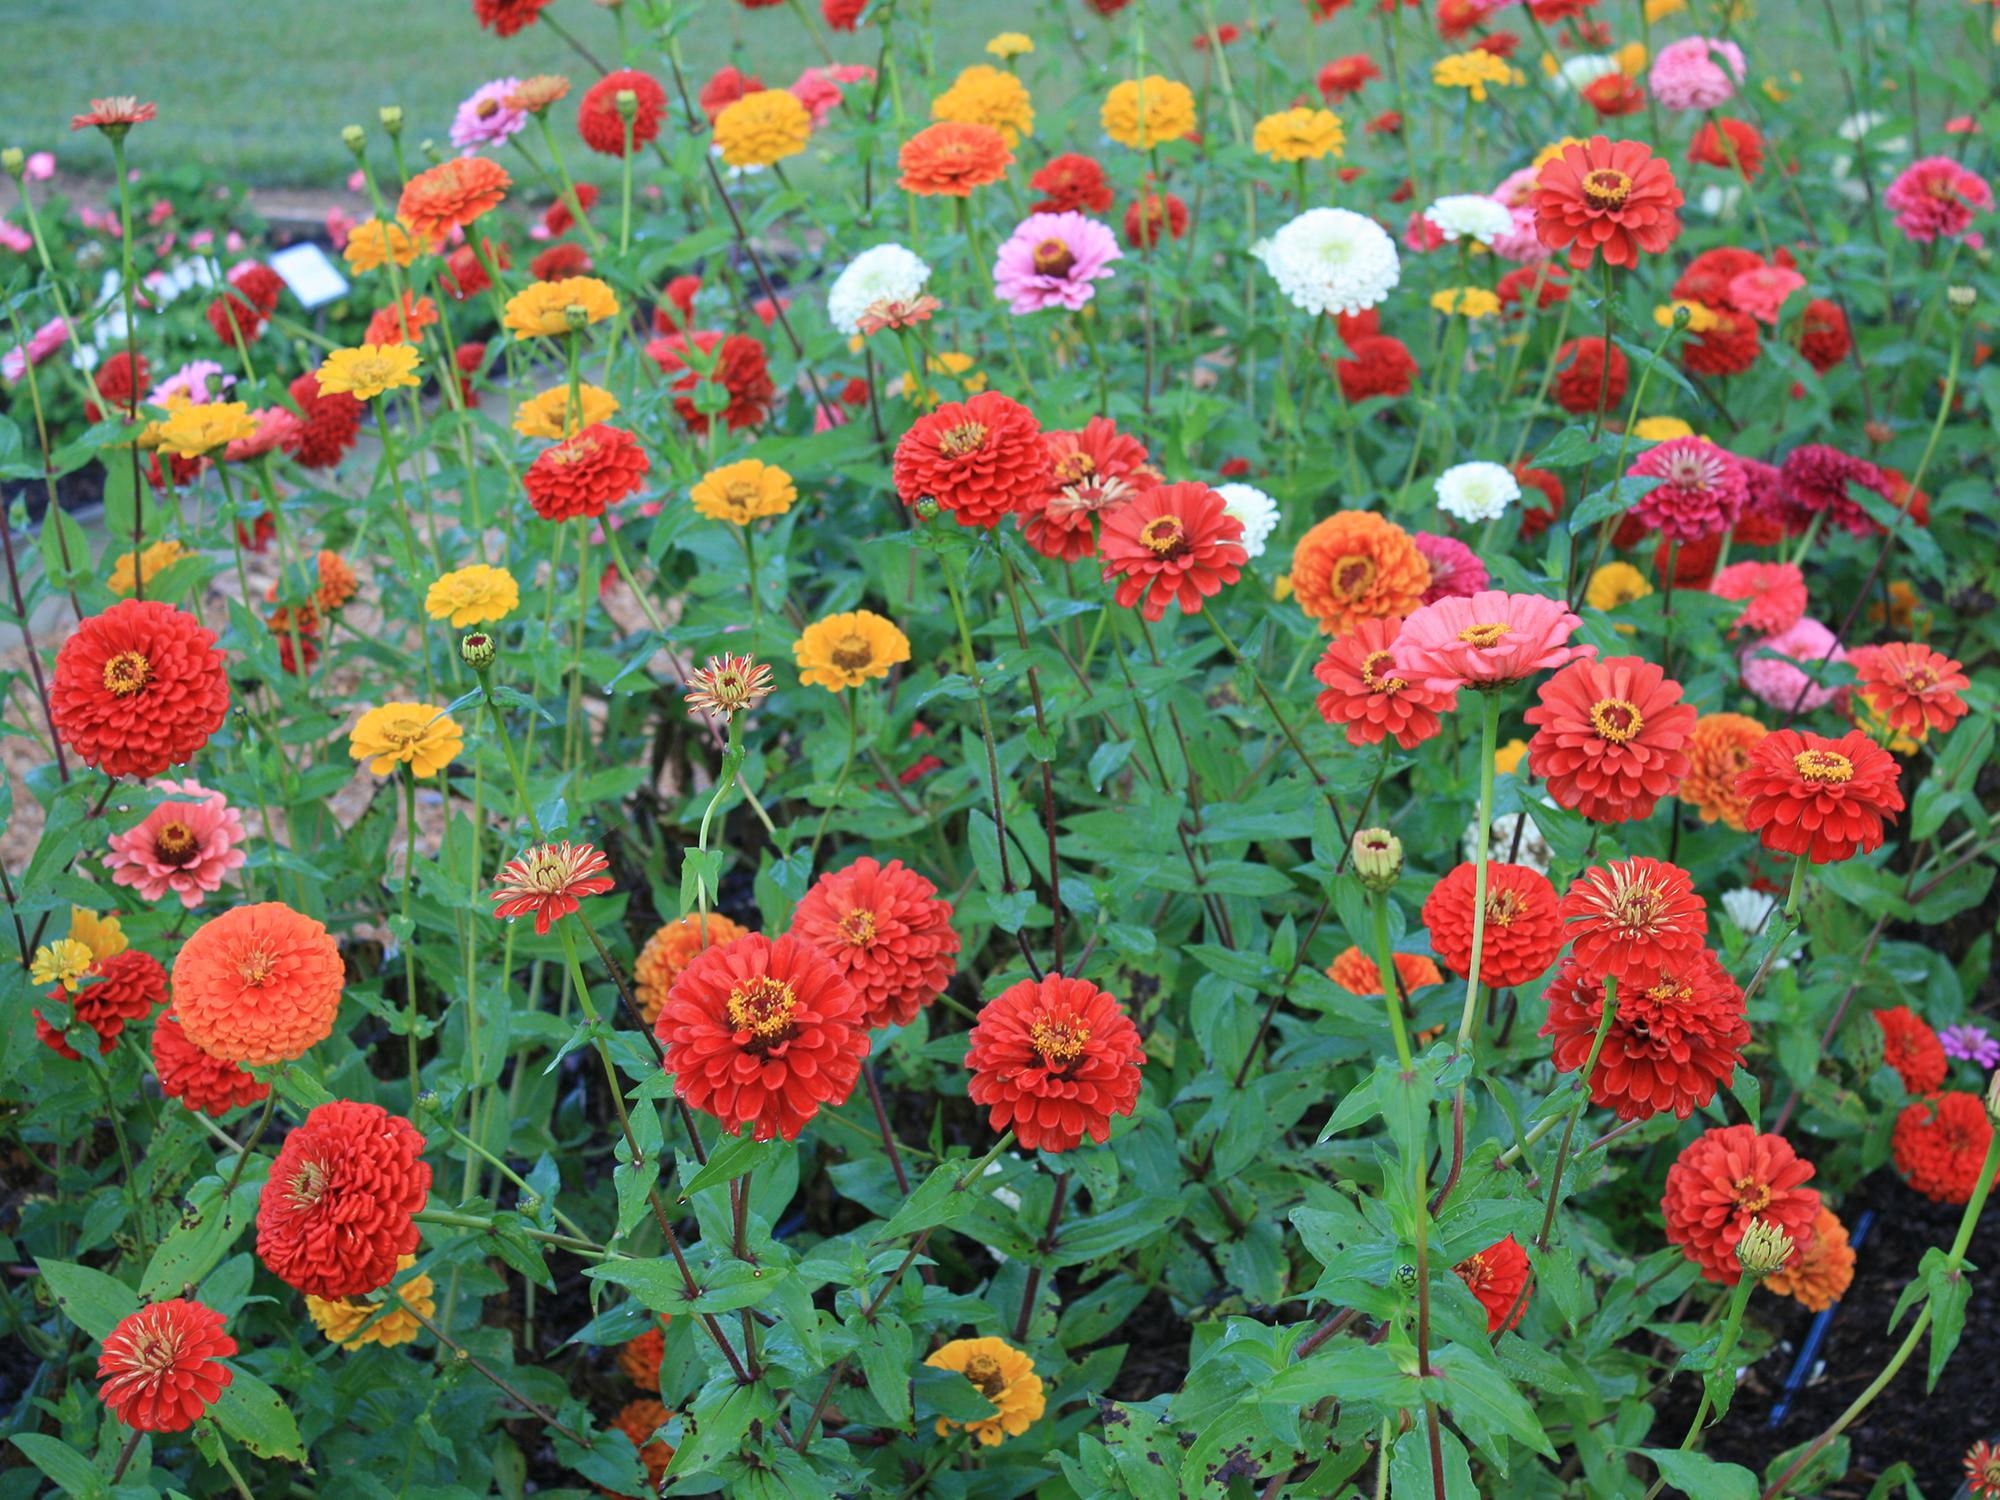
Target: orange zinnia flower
{"type": "Point", "coordinates": [671, 949]}
{"type": "Point", "coordinates": [1819, 1273]}
{"type": "Point", "coordinates": [1718, 752]}
{"type": "Point", "coordinates": [1356, 566]}
{"type": "Point", "coordinates": [259, 984]}
{"type": "Point", "coordinates": [451, 195]}
{"type": "Point", "coordinates": [951, 158]}
{"type": "Point", "coordinates": [1358, 974]}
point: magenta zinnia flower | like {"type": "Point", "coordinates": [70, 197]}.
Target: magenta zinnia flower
{"type": "Point", "coordinates": [1051, 261]}
{"type": "Point", "coordinates": [1486, 641]}
{"type": "Point", "coordinates": [183, 846]}
{"type": "Point", "coordinates": [1778, 681]}
{"type": "Point", "coordinates": [1456, 571]}
{"type": "Point", "coordinates": [486, 118]}
{"type": "Point", "coordinates": [550, 880]}
{"type": "Point", "coordinates": [1937, 196]}
{"type": "Point", "coordinates": [1701, 493]}
{"type": "Point", "coordinates": [1687, 74]}
{"type": "Point", "coordinates": [1815, 477]}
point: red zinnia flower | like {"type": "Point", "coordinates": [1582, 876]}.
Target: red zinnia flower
{"type": "Point", "coordinates": [1613, 95]}
{"type": "Point", "coordinates": [1364, 693]}
{"type": "Point", "coordinates": [1091, 472]}
{"type": "Point", "coordinates": [1737, 141]}
{"type": "Point", "coordinates": [1612, 737]}
{"type": "Point", "coordinates": [138, 688]}
{"type": "Point", "coordinates": [158, 1366]}
{"type": "Point", "coordinates": [600, 124]}
{"type": "Point", "coordinates": [1725, 1178]}
{"type": "Point", "coordinates": [560, 261]}
{"type": "Point", "coordinates": [1149, 212]}
{"type": "Point", "coordinates": [1498, 1276]}
{"type": "Point", "coordinates": [557, 218]}
{"type": "Point", "coordinates": [464, 278]}
{"type": "Point", "coordinates": [583, 474]}
{"type": "Point", "coordinates": [550, 880]}
{"type": "Point", "coordinates": [1670, 1046]}
{"type": "Point", "coordinates": [505, 17]}
{"type": "Point", "coordinates": [1982, 1459]}
{"type": "Point", "coordinates": [336, 1211]}
{"type": "Point", "coordinates": [1816, 477]}
{"type": "Point", "coordinates": [1552, 276]}
{"type": "Point", "coordinates": [1071, 184]}
{"type": "Point", "coordinates": [124, 987]}
{"type": "Point", "coordinates": [741, 371]}
{"type": "Point", "coordinates": [762, 1034]}
{"type": "Point", "coordinates": [1613, 196]}
{"type": "Point", "coordinates": [680, 294]}
{"type": "Point", "coordinates": [411, 314]}
{"type": "Point", "coordinates": [1346, 75]}
{"type": "Point", "coordinates": [1728, 348]}
{"type": "Point", "coordinates": [1580, 384]}
{"type": "Point", "coordinates": [1912, 1049]}
{"type": "Point", "coordinates": [1524, 931]}
{"type": "Point", "coordinates": [1633, 920]}
{"type": "Point", "coordinates": [1536, 519]}
{"type": "Point", "coordinates": [979, 459]}
{"type": "Point", "coordinates": [1377, 366]}
{"type": "Point", "coordinates": [248, 299]}
{"type": "Point", "coordinates": [886, 929]}
{"type": "Point", "coordinates": [1940, 1145]}
{"type": "Point", "coordinates": [1914, 688]}
{"type": "Point", "coordinates": [1172, 544]}
{"type": "Point", "coordinates": [116, 384]}
{"type": "Point", "coordinates": [1825, 799]}
{"type": "Point", "coordinates": [1707, 277]}
{"type": "Point", "coordinates": [1054, 1059]}
{"type": "Point", "coordinates": [724, 88]}
{"type": "Point", "coordinates": [1824, 340]}
{"type": "Point", "coordinates": [327, 426]}
{"type": "Point", "coordinates": [213, 1085]}
{"type": "Point", "coordinates": [842, 14]}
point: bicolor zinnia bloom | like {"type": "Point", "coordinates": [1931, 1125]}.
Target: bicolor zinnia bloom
{"type": "Point", "coordinates": [1092, 472]}
{"type": "Point", "coordinates": [337, 1212]}
{"type": "Point", "coordinates": [550, 881]}
{"type": "Point", "coordinates": [670, 949]}
{"type": "Point", "coordinates": [1701, 492]}
{"type": "Point", "coordinates": [1913, 688]}
{"type": "Point", "coordinates": [1671, 1043]}
{"type": "Point", "coordinates": [1053, 260]}
{"type": "Point", "coordinates": [1498, 1277]}
{"type": "Point", "coordinates": [451, 195]}
{"type": "Point", "coordinates": [1820, 1272]}
{"type": "Point", "coordinates": [1939, 1145]}
{"type": "Point", "coordinates": [1634, 919]}
{"type": "Point", "coordinates": [1935, 197]}
{"type": "Point", "coordinates": [184, 846]}
{"type": "Point", "coordinates": [138, 688]}
{"type": "Point", "coordinates": [845, 650]}
{"type": "Point", "coordinates": [1725, 1178]}
{"type": "Point", "coordinates": [1364, 694]}
{"type": "Point", "coordinates": [1487, 641]}
{"type": "Point", "coordinates": [1613, 197]}
{"type": "Point", "coordinates": [762, 1034]}
{"type": "Point", "coordinates": [1611, 737]}
{"type": "Point", "coordinates": [1912, 1049]}
{"type": "Point", "coordinates": [1825, 799]}
{"type": "Point", "coordinates": [259, 984]}
{"type": "Point", "coordinates": [1356, 565]}
{"type": "Point", "coordinates": [1982, 1470]}
{"type": "Point", "coordinates": [979, 459]}
{"type": "Point", "coordinates": [586, 474]}
{"type": "Point", "coordinates": [421, 736]}
{"type": "Point", "coordinates": [212, 1085]}
{"type": "Point", "coordinates": [886, 928]}
{"type": "Point", "coordinates": [727, 686]}
{"type": "Point", "coordinates": [1002, 1374]}
{"type": "Point", "coordinates": [1172, 544]}
{"type": "Point", "coordinates": [1054, 1060]}
{"type": "Point", "coordinates": [951, 158]}
{"type": "Point", "coordinates": [1773, 595]}
{"type": "Point", "coordinates": [1523, 931]}
{"type": "Point", "coordinates": [115, 116]}
{"type": "Point", "coordinates": [1718, 751]}
{"type": "Point", "coordinates": [601, 122]}
{"type": "Point", "coordinates": [159, 1370]}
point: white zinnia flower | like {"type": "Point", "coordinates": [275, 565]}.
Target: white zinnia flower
{"type": "Point", "coordinates": [1749, 909]}
{"type": "Point", "coordinates": [1470, 216]}
{"type": "Point", "coordinates": [1478, 491]}
{"type": "Point", "coordinates": [1581, 72]}
{"type": "Point", "coordinates": [1333, 260]}
{"type": "Point", "coordinates": [1534, 851]}
{"type": "Point", "coordinates": [1256, 510]}
{"type": "Point", "coordinates": [886, 273]}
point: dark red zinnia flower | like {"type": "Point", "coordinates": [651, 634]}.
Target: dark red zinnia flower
{"type": "Point", "coordinates": [158, 1369]}
{"type": "Point", "coordinates": [1611, 738]}
{"type": "Point", "coordinates": [336, 1212]}
{"type": "Point", "coordinates": [1551, 276]}
{"type": "Point", "coordinates": [505, 17]}
{"type": "Point", "coordinates": [1912, 1049]}
{"type": "Point", "coordinates": [1071, 184]}
{"type": "Point", "coordinates": [1722, 1180]}
{"type": "Point", "coordinates": [1377, 366]}
{"type": "Point", "coordinates": [1729, 347]}
{"type": "Point", "coordinates": [1914, 688]}
{"type": "Point", "coordinates": [138, 688]}
{"type": "Point", "coordinates": [1670, 1046]}
{"type": "Point", "coordinates": [887, 930]}
{"type": "Point", "coordinates": [678, 295]}
{"type": "Point", "coordinates": [1940, 1145]}
{"type": "Point", "coordinates": [762, 1034]}
{"type": "Point", "coordinates": [1172, 544]}
{"type": "Point", "coordinates": [979, 459]}
{"type": "Point", "coordinates": [1824, 340]}
{"type": "Point", "coordinates": [1054, 1059]}
{"type": "Point", "coordinates": [1613, 197]}
{"type": "Point", "coordinates": [841, 15]}
{"type": "Point", "coordinates": [1498, 1277]}
{"type": "Point", "coordinates": [116, 384]}
{"type": "Point", "coordinates": [1634, 920]}
{"type": "Point", "coordinates": [1364, 694]}
{"type": "Point", "coordinates": [603, 127]}
{"type": "Point", "coordinates": [1091, 472]}
{"type": "Point", "coordinates": [559, 261]}
{"type": "Point", "coordinates": [1536, 519]}
{"type": "Point", "coordinates": [1815, 477]}
{"type": "Point", "coordinates": [1523, 932]}
{"type": "Point", "coordinates": [249, 297]}
{"type": "Point", "coordinates": [740, 370]}
{"type": "Point", "coordinates": [1580, 384]}
{"type": "Point", "coordinates": [582, 475]}
{"type": "Point", "coordinates": [464, 278]}
{"type": "Point", "coordinates": [1825, 799]}
{"type": "Point", "coordinates": [1149, 212]}
{"type": "Point", "coordinates": [327, 426]}
{"type": "Point", "coordinates": [213, 1085]}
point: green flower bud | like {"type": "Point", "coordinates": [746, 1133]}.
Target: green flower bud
{"type": "Point", "coordinates": [1763, 1249]}
{"type": "Point", "coordinates": [1378, 858]}
{"type": "Point", "coordinates": [391, 116]}
{"type": "Point", "coordinates": [15, 160]}
{"type": "Point", "coordinates": [1961, 299]}
{"type": "Point", "coordinates": [477, 650]}
{"type": "Point", "coordinates": [356, 138]}
{"type": "Point", "coordinates": [926, 508]}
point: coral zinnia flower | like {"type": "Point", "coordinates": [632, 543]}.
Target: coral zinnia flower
{"type": "Point", "coordinates": [367, 372]}
{"type": "Point", "coordinates": [1002, 1374]}
{"type": "Point", "coordinates": [979, 459]}
{"type": "Point", "coordinates": [451, 195]}
{"type": "Point", "coordinates": [639, 1358]}
{"type": "Point", "coordinates": [476, 594]}
{"type": "Point", "coordinates": [1355, 566]}
{"type": "Point", "coordinates": [1825, 799]}
{"type": "Point", "coordinates": [1912, 687]}
{"type": "Point", "coordinates": [1773, 595]}
{"type": "Point", "coordinates": [115, 116]}
{"type": "Point", "coordinates": [1912, 1049]}
{"type": "Point", "coordinates": [887, 930]}
{"type": "Point", "coordinates": [1725, 1178]}
{"type": "Point", "coordinates": [335, 1216]}
{"type": "Point", "coordinates": [258, 984]}
{"type": "Point", "coordinates": [1054, 1059]}
{"type": "Point", "coordinates": [389, 324]}
{"type": "Point", "coordinates": [1818, 1274]}
{"type": "Point", "coordinates": [1523, 933]}
{"type": "Point", "coordinates": [1718, 751]}
{"type": "Point", "coordinates": [138, 688]}
{"type": "Point", "coordinates": [181, 846]}
{"type": "Point", "coordinates": [1498, 1276]}
{"type": "Point", "coordinates": [951, 158]}
{"type": "Point", "coordinates": [745, 491]}
{"type": "Point", "coordinates": [355, 1322]}
{"type": "Point", "coordinates": [845, 650]}
{"type": "Point", "coordinates": [1634, 920]}
{"type": "Point", "coordinates": [1940, 1145]}
{"type": "Point", "coordinates": [550, 880]}
{"type": "Point", "coordinates": [740, 369]}
{"type": "Point", "coordinates": [1071, 183]}
{"type": "Point", "coordinates": [1358, 974]}
{"type": "Point", "coordinates": [1146, 112]}
{"type": "Point", "coordinates": [1612, 737]}
{"type": "Point", "coordinates": [421, 736]}
{"type": "Point", "coordinates": [1172, 544]}
{"type": "Point", "coordinates": [1487, 641]}
{"type": "Point", "coordinates": [1455, 567]}
{"type": "Point", "coordinates": [1937, 196]}
{"type": "Point", "coordinates": [603, 127]}
{"type": "Point", "coordinates": [326, 427]}
{"type": "Point", "coordinates": [1613, 196]}
{"type": "Point", "coordinates": [1670, 1045]}
{"type": "Point", "coordinates": [1364, 693]}
{"type": "Point", "coordinates": [1736, 145]}
{"type": "Point", "coordinates": [1701, 493]}
{"type": "Point", "coordinates": [671, 949]}
{"type": "Point", "coordinates": [212, 1085]}
{"type": "Point", "coordinates": [582, 475]}
{"type": "Point", "coordinates": [1091, 473]}
{"type": "Point", "coordinates": [543, 309]}
{"type": "Point", "coordinates": [762, 1034]}
{"type": "Point", "coordinates": [158, 1369]}
{"type": "Point", "coordinates": [118, 987]}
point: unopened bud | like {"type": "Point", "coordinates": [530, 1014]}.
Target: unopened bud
{"type": "Point", "coordinates": [529, 1203]}
{"type": "Point", "coordinates": [1683, 315]}
{"type": "Point", "coordinates": [1406, 1276]}
{"type": "Point", "coordinates": [627, 101]}
{"type": "Point", "coordinates": [1763, 1249]}
{"type": "Point", "coordinates": [926, 508]}
{"type": "Point", "coordinates": [391, 116]}
{"type": "Point", "coordinates": [1961, 299]}
{"type": "Point", "coordinates": [477, 650]}
{"type": "Point", "coordinates": [1378, 858]}
{"type": "Point", "coordinates": [355, 137]}
{"type": "Point", "coordinates": [427, 1100]}
{"type": "Point", "coordinates": [577, 317]}
{"type": "Point", "coordinates": [15, 160]}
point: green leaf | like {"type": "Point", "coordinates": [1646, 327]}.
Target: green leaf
{"type": "Point", "coordinates": [1410, 1466]}
{"type": "Point", "coordinates": [69, 1469]}
{"type": "Point", "coordinates": [947, 1393]}
{"type": "Point", "coordinates": [207, 1230]}
{"type": "Point", "coordinates": [937, 1201]}
{"type": "Point", "coordinates": [1701, 1477]}
{"type": "Point", "coordinates": [721, 1288]}
{"type": "Point", "coordinates": [93, 1301]}
{"type": "Point", "coordinates": [736, 1156]}
{"type": "Point", "coordinates": [251, 1412]}
{"type": "Point", "coordinates": [885, 1347]}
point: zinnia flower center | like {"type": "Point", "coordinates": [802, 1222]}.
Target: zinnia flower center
{"type": "Point", "coordinates": [1752, 1195]}
{"type": "Point", "coordinates": [1638, 908]}
{"type": "Point", "coordinates": [956, 442]}
{"type": "Point", "coordinates": [1615, 719]}
{"type": "Point", "coordinates": [852, 652]}
{"type": "Point", "coordinates": [547, 871]}
{"type": "Point", "coordinates": [1380, 684]}
{"type": "Point", "coordinates": [1164, 536]}
{"type": "Point", "coordinates": [1689, 471]}
{"type": "Point", "coordinates": [126, 673]}
{"type": "Point", "coordinates": [1919, 679]}
{"type": "Point", "coordinates": [403, 733]}
{"type": "Point", "coordinates": [1503, 906]}
{"type": "Point", "coordinates": [858, 927]}
{"type": "Point", "coordinates": [308, 1183]}
{"type": "Point", "coordinates": [763, 1007]}
{"type": "Point", "coordinates": [1075, 467]}
{"type": "Point", "coordinates": [1060, 1039]}
{"type": "Point", "coordinates": [983, 1370]}
{"type": "Point", "coordinates": [486, 109]}
{"type": "Point", "coordinates": [155, 1350]}
{"type": "Point", "coordinates": [1054, 258]}
{"type": "Point", "coordinates": [1475, 1271]}
{"type": "Point", "coordinates": [1485, 636]}
{"type": "Point", "coordinates": [1826, 767]}
{"type": "Point", "coordinates": [175, 843]}
{"type": "Point", "coordinates": [256, 967]}
{"type": "Point", "coordinates": [1352, 576]}
{"type": "Point", "coordinates": [579, 449]}
{"type": "Point", "coordinates": [1606, 187]}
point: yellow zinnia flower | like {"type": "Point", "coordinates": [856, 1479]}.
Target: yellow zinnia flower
{"type": "Point", "coordinates": [341, 1319]}
{"type": "Point", "coordinates": [1011, 44]}
{"type": "Point", "coordinates": [542, 310]}
{"type": "Point", "coordinates": [744, 492]}
{"type": "Point", "coordinates": [1507, 759]}
{"type": "Point", "coordinates": [1470, 301]}
{"type": "Point", "coordinates": [473, 595]}
{"type": "Point", "coordinates": [133, 569]}
{"type": "Point", "coordinates": [547, 415]}
{"type": "Point", "coordinates": [1471, 71]}
{"type": "Point", "coordinates": [1554, 149]}
{"type": "Point", "coordinates": [190, 431]}
{"type": "Point", "coordinates": [63, 962]}
{"type": "Point", "coordinates": [762, 128]}
{"type": "Point", "coordinates": [1299, 135]}
{"type": "Point", "coordinates": [983, 95]}
{"type": "Point", "coordinates": [1146, 112]}
{"type": "Point", "coordinates": [367, 372]}
{"type": "Point", "coordinates": [1631, 59]}
{"type": "Point", "coordinates": [1614, 584]}
{"type": "Point", "coordinates": [1658, 10]}
{"type": "Point", "coordinates": [1660, 429]}
{"type": "Point", "coordinates": [421, 736]}
{"type": "Point", "coordinates": [372, 243]}
{"type": "Point", "coordinates": [1701, 318]}
{"type": "Point", "coordinates": [951, 363]}
{"type": "Point", "coordinates": [844, 651]}
{"type": "Point", "coordinates": [104, 936]}
{"type": "Point", "coordinates": [1005, 1376]}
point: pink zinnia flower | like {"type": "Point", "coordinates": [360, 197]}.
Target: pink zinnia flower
{"type": "Point", "coordinates": [1686, 75]}
{"type": "Point", "coordinates": [41, 166]}
{"type": "Point", "coordinates": [1456, 570]}
{"type": "Point", "coordinates": [1486, 641]}
{"type": "Point", "coordinates": [819, 89]}
{"type": "Point", "coordinates": [1815, 477]}
{"type": "Point", "coordinates": [184, 846]}
{"type": "Point", "coordinates": [1762, 292]}
{"type": "Point", "coordinates": [1773, 595]}
{"type": "Point", "coordinates": [15, 238]}
{"type": "Point", "coordinates": [43, 342]}
{"type": "Point", "coordinates": [275, 427]}
{"type": "Point", "coordinates": [1702, 489]}
{"type": "Point", "coordinates": [1778, 681]}
{"type": "Point", "coordinates": [191, 380]}
{"type": "Point", "coordinates": [486, 118]}
{"type": "Point", "coordinates": [1520, 244]}
{"type": "Point", "coordinates": [1937, 196]}
{"type": "Point", "coordinates": [1051, 261]}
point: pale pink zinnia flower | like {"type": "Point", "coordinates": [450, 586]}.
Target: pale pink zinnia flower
{"type": "Point", "coordinates": [1762, 292]}
{"type": "Point", "coordinates": [486, 118]}
{"type": "Point", "coordinates": [1778, 681]}
{"type": "Point", "coordinates": [192, 381]}
{"type": "Point", "coordinates": [1487, 641]}
{"type": "Point", "coordinates": [185, 846]}
{"type": "Point", "coordinates": [15, 238]}
{"type": "Point", "coordinates": [42, 343]}
{"type": "Point", "coordinates": [1455, 568]}
{"type": "Point", "coordinates": [1688, 75]}
{"type": "Point", "coordinates": [1701, 493]}
{"type": "Point", "coordinates": [1051, 261]}
{"type": "Point", "coordinates": [1936, 196]}
{"type": "Point", "coordinates": [41, 166]}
